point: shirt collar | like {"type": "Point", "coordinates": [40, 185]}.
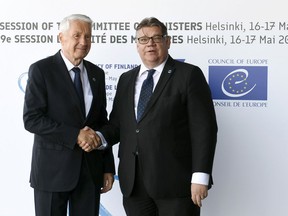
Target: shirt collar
{"type": "Point", "coordinates": [69, 65]}
{"type": "Point", "coordinates": [158, 69]}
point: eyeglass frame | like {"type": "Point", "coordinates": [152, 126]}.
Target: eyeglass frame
{"type": "Point", "coordinates": [161, 37]}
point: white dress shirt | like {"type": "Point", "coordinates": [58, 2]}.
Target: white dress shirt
{"type": "Point", "coordinates": [88, 96]}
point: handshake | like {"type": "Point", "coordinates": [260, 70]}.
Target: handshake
{"type": "Point", "coordinates": [88, 139]}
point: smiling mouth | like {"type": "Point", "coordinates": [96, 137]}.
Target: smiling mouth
{"type": "Point", "coordinates": [81, 48]}
{"type": "Point", "coordinates": [151, 51]}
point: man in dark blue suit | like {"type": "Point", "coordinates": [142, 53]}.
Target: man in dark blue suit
{"type": "Point", "coordinates": [68, 165]}
{"type": "Point", "coordinates": [166, 154]}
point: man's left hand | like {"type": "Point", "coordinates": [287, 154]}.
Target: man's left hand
{"type": "Point", "coordinates": [198, 193]}
{"type": "Point", "coordinates": [108, 181]}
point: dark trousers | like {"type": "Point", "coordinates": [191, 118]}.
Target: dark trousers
{"type": "Point", "coordinates": [83, 199]}
{"type": "Point", "coordinates": [141, 204]}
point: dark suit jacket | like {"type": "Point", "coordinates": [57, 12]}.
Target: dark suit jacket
{"type": "Point", "coordinates": [52, 112]}
{"type": "Point", "coordinates": [176, 136]}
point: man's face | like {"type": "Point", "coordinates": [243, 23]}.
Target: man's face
{"type": "Point", "coordinates": [153, 53]}
{"type": "Point", "coordinates": [76, 41]}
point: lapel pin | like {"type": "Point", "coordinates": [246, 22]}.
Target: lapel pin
{"type": "Point", "coordinates": [169, 71]}
{"type": "Point", "coordinates": [94, 79]}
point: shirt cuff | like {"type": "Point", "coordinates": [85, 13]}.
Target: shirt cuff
{"type": "Point", "coordinates": [200, 178]}
{"type": "Point", "coordinates": [103, 141]}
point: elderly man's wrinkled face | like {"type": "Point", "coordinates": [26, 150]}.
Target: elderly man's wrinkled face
{"type": "Point", "coordinates": [76, 41]}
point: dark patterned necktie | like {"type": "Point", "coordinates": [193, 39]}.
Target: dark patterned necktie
{"type": "Point", "coordinates": [79, 88]}
{"type": "Point", "coordinates": [145, 94]}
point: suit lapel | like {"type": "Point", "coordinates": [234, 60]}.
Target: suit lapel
{"type": "Point", "coordinates": [65, 79]}
{"type": "Point", "coordinates": [131, 91]}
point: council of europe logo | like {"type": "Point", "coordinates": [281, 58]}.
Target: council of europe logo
{"type": "Point", "coordinates": [238, 82]}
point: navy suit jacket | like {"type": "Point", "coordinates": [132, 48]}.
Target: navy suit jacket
{"type": "Point", "coordinates": [175, 137]}
{"type": "Point", "coordinates": [52, 112]}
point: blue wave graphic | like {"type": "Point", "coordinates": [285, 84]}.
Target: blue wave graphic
{"type": "Point", "coordinates": [103, 211]}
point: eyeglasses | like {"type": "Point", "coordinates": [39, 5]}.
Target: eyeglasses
{"type": "Point", "coordinates": [155, 39]}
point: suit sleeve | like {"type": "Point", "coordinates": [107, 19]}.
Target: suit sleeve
{"type": "Point", "coordinates": [202, 122]}
{"type": "Point", "coordinates": [111, 132]}
{"type": "Point", "coordinates": [109, 164]}
{"type": "Point", "coordinates": [36, 114]}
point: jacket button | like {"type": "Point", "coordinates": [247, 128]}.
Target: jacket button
{"type": "Point", "coordinates": [137, 130]}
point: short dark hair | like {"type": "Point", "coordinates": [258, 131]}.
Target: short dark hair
{"type": "Point", "coordinates": [152, 21]}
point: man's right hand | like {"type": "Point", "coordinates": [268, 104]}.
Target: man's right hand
{"type": "Point", "coordinates": [88, 139]}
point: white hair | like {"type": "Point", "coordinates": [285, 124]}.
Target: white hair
{"type": "Point", "coordinates": [65, 23]}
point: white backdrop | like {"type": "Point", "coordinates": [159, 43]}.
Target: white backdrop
{"type": "Point", "coordinates": [250, 170]}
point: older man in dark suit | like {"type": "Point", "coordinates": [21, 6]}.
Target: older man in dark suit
{"type": "Point", "coordinates": [67, 165]}
{"type": "Point", "coordinates": [167, 130]}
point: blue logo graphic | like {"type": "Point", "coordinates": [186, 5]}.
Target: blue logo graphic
{"type": "Point", "coordinates": [22, 81]}
{"type": "Point", "coordinates": [238, 82]}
